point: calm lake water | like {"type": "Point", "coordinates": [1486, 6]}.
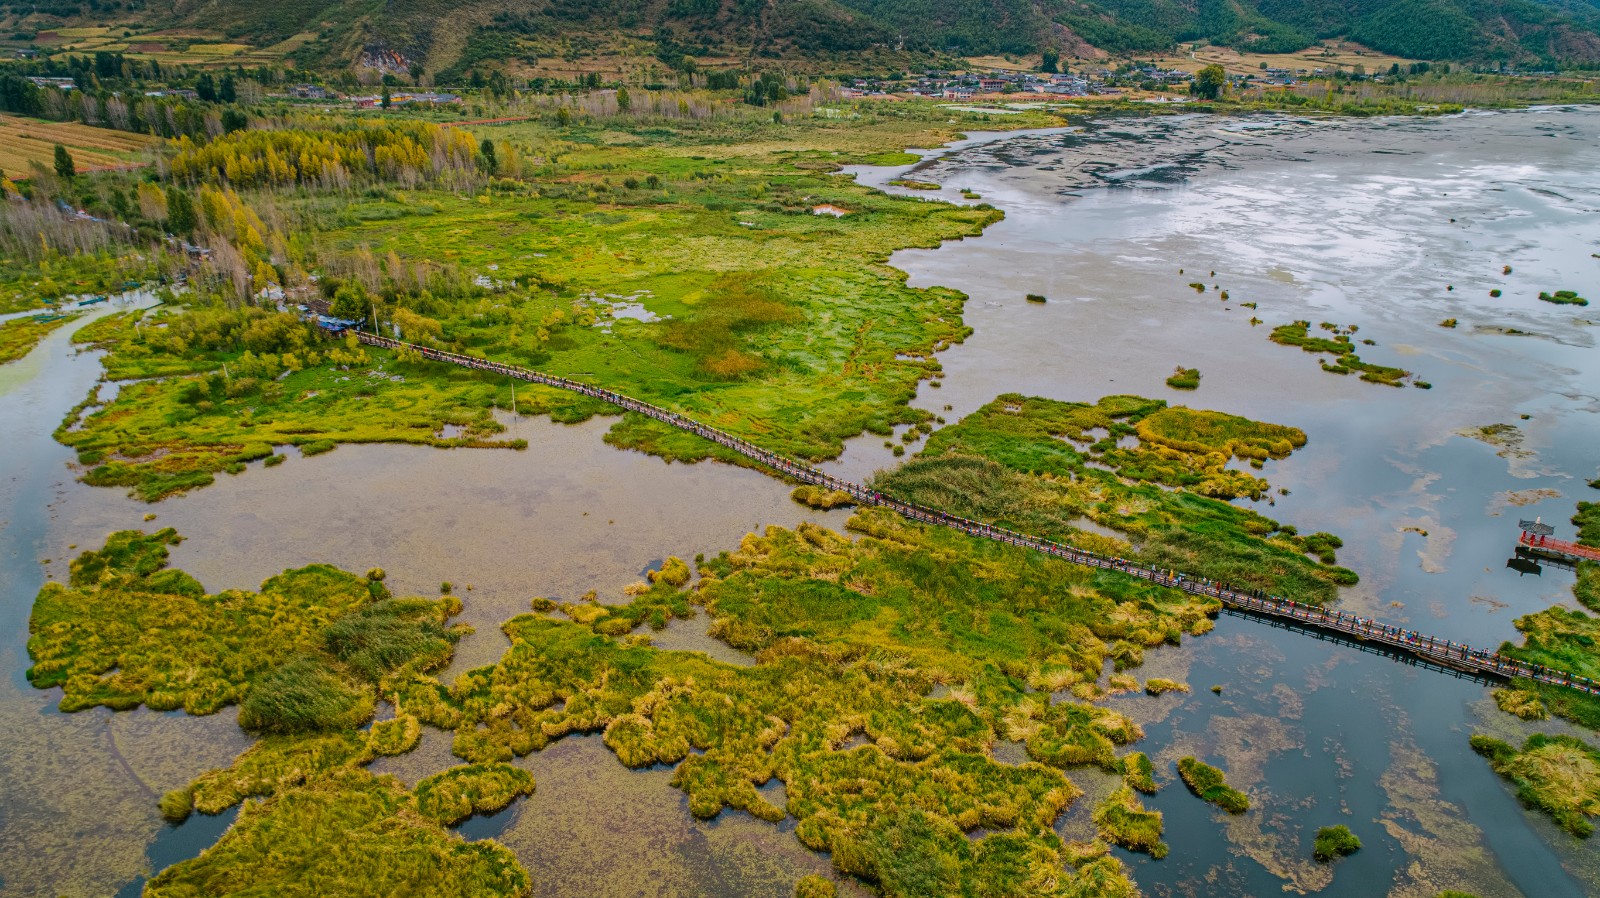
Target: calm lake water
{"type": "Point", "coordinates": [1351, 222]}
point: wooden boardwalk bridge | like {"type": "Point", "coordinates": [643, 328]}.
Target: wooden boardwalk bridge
{"type": "Point", "coordinates": [1431, 651]}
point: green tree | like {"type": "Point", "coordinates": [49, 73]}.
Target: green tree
{"type": "Point", "coordinates": [1209, 82]}
{"type": "Point", "coordinates": [350, 303]}
{"type": "Point", "coordinates": [181, 217]}
{"type": "Point", "coordinates": [1051, 60]}
{"type": "Point", "coordinates": [386, 101]}
{"type": "Point", "coordinates": [490, 163]}
{"type": "Point", "coordinates": [624, 101]}
{"type": "Point", "coordinates": [65, 167]}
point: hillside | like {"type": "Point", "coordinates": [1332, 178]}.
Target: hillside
{"type": "Point", "coordinates": [450, 37]}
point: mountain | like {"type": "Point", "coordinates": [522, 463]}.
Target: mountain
{"type": "Point", "coordinates": [451, 37]}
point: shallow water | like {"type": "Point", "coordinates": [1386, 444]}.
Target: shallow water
{"type": "Point", "coordinates": [1349, 222]}
{"type": "Point", "coordinates": [568, 515]}
{"type": "Point", "coordinates": [1339, 221]}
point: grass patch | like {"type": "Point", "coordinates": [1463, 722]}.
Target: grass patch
{"type": "Point", "coordinates": [1207, 783]}
{"type": "Point", "coordinates": [1558, 775]}
{"type": "Point", "coordinates": [1123, 820]}
{"type": "Point", "coordinates": [452, 796]}
{"type": "Point", "coordinates": [1334, 842]}
{"type": "Point", "coordinates": [821, 497]}
{"type": "Point", "coordinates": [19, 336]}
{"type": "Point", "coordinates": [1040, 466]}
{"type": "Point", "coordinates": [1339, 345]}
{"type": "Point", "coordinates": [1184, 378]}
{"type": "Point", "coordinates": [1139, 773]}
{"type": "Point", "coordinates": [347, 834]}
{"type": "Point", "coordinates": [782, 326]}
{"type": "Point", "coordinates": [1564, 298]}
{"type": "Point", "coordinates": [127, 630]}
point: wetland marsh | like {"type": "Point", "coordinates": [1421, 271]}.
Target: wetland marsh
{"type": "Point", "coordinates": [853, 648]}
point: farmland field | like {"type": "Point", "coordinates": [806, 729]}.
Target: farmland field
{"type": "Point", "coordinates": [25, 140]}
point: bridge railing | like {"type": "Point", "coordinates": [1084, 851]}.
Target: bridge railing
{"type": "Point", "coordinates": [1445, 652]}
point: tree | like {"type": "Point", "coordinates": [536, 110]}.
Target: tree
{"type": "Point", "coordinates": [181, 218]}
{"type": "Point", "coordinates": [1051, 60]}
{"type": "Point", "coordinates": [387, 100]}
{"type": "Point", "coordinates": [206, 87]}
{"type": "Point", "coordinates": [1209, 82]}
{"type": "Point", "coordinates": [228, 92]}
{"type": "Point", "coordinates": [624, 101]}
{"type": "Point", "coordinates": [350, 303]}
{"type": "Point", "coordinates": [65, 167]}
{"type": "Point", "coordinates": [490, 163]}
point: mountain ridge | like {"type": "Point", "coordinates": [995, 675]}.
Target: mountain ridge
{"type": "Point", "coordinates": [453, 36]}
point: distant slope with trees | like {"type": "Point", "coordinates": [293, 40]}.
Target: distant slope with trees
{"type": "Point", "coordinates": [449, 37]}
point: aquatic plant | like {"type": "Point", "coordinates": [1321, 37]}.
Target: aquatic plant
{"type": "Point", "coordinates": [19, 335]}
{"type": "Point", "coordinates": [814, 886]}
{"type": "Point", "coordinates": [1123, 820]}
{"type": "Point", "coordinates": [1298, 334]}
{"type": "Point", "coordinates": [304, 696]}
{"type": "Point", "coordinates": [821, 497]}
{"type": "Point", "coordinates": [1207, 783]}
{"type": "Point", "coordinates": [1334, 842]}
{"type": "Point", "coordinates": [1522, 702]}
{"type": "Point", "coordinates": [1019, 462]}
{"type": "Point", "coordinates": [454, 795]}
{"type": "Point", "coordinates": [349, 833]}
{"type": "Point", "coordinates": [1138, 772]}
{"type": "Point", "coordinates": [1448, 322]}
{"type": "Point", "coordinates": [127, 630]}
{"type": "Point", "coordinates": [1558, 775]}
{"type": "Point", "coordinates": [1160, 686]}
{"type": "Point", "coordinates": [1036, 297]}
{"type": "Point", "coordinates": [1564, 298]}
{"type": "Point", "coordinates": [1184, 378]}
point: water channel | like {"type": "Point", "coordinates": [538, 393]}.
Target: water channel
{"type": "Point", "coordinates": [1352, 222]}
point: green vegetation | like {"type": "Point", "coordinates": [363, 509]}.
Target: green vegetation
{"type": "Point", "coordinates": [1522, 701]}
{"type": "Point", "coordinates": [774, 323]}
{"type": "Point", "coordinates": [1564, 298]}
{"type": "Point", "coordinates": [1298, 334]}
{"type": "Point", "coordinates": [851, 636]}
{"type": "Point", "coordinates": [1559, 775]}
{"type": "Point", "coordinates": [913, 184]}
{"type": "Point", "coordinates": [1036, 297]}
{"type": "Point", "coordinates": [1040, 466]}
{"type": "Point", "coordinates": [1139, 773]}
{"type": "Point", "coordinates": [1160, 686]}
{"type": "Point", "coordinates": [1334, 842]}
{"type": "Point", "coordinates": [1563, 639]}
{"type": "Point", "coordinates": [1184, 378]}
{"type": "Point", "coordinates": [815, 886]}
{"type": "Point", "coordinates": [348, 833]}
{"type": "Point", "coordinates": [458, 793]}
{"type": "Point", "coordinates": [1123, 820]}
{"type": "Point", "coordinates": [126, 630]}
{"type": "Point", "coordinates": [20, 335]}
{"type": "Point", "coordinates": [1207, 783]}
{"type": "Point", "coordinates": [821, 497]}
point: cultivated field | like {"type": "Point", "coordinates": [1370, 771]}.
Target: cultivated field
{"type": "Point", "coordinates": [26, 140]}
{"type": "Point", "coordinates": [1328, 56]}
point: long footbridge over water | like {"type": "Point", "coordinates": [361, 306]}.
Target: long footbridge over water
{"type": "Point", "coordinates": [1428, 650]}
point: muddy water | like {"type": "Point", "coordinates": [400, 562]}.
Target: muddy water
{"type": "Point", "coordinates": [1345, 222]}
{"type": "Point", "coordinates": [1351, 222]}
{"type": "Point", "coordinates": [569, 514]}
